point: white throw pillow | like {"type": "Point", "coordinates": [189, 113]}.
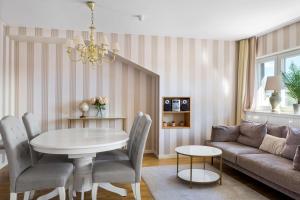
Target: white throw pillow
{"type": "Point", "coordinates": [272, 144]}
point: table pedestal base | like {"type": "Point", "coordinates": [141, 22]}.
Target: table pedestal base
{"type": "Point", "coordinates": [83, 174]}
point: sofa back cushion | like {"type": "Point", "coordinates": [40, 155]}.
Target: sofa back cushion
{"type": "Point", "coordinates": [252, 133]}
{"type": "Point", "coordinates": [292, 141]}
{"type": "Point", "coordinates": [296, 162]}
{"type": "Point", "coordinates": [272, 144]}
{"type": "Point", "coordinates": [278, 131]}
{"type": "Point", "coordinates": [225, 133]}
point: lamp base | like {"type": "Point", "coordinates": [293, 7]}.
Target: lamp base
{"type": "Point", "coordinates": [275, 100]}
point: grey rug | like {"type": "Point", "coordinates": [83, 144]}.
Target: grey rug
{"type": "Point", "coordinates": [164, 185]}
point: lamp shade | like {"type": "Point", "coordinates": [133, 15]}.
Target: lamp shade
{"type": "Point", "coordinates": [273, 83]}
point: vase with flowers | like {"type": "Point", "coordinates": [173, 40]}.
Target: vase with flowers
{"type": "Point", "coordinates": [100, 104]}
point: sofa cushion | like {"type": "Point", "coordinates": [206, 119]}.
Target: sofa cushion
{"type": "Point", "coordinates": [272, 168]}
{"type": "Point", "coordinates": [296, 161]}
{"type": "Point", "coordinates": [225, 133]}
{"type": "Point", "coordinates": [232, 149]}
{"type": "Point", "coordinates": [292, 141]}
{"type": "Point", "coordinates": [272, 144]}
{"type": "Point", "coordinates": [278, 131]}
{"type": "Point", "coordinates": [251, 133]}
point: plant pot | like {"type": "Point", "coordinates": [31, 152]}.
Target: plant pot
{"type": "Point", "coordinates": [296, 109]}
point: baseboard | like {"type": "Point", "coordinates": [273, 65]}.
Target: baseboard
{"type": "Point", "coordinates": [149, 151]}
{"type": "Point", "coordinates": [166, 156]}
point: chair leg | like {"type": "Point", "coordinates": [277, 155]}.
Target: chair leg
{"type": "Point", "coordinates": [26, 195]}
{"type": "Point", "coordinates": [61, 193]}
{"type": "Point", "coordinates": [31, 194]}
{"type": "Point", "coordinates": [136, 188]}
{"type": "Point", "coordinates": [82, 195]}
{"type": "Point", "coordinates": [13, 196]}
{"type": "Point", "coordinates": [94, 191]}
{"type": "Point", "coordinates": [70, 192]}
{"type": "Point", "coordinates": [133, 190]}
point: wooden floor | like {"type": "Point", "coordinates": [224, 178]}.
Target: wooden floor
{"type": "Point", "coordinates": [151, 160]}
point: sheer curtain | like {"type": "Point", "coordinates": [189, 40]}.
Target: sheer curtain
{"type": "Point", "coordinates": [246, 76]}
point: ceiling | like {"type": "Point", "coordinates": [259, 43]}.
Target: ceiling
{"type": "Point", "coordinates": [210, 19]}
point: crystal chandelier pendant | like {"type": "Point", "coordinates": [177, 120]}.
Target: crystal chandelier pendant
{"type": "Point", "coordinates": [89, 51]}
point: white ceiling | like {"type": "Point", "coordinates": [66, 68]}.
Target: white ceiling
{"type": "Point", "coordinates": [213, 19]}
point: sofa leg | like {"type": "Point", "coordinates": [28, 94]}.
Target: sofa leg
{"type": "Point", "coordinates": [212, 160]}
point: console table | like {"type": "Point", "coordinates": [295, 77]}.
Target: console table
{"type": "Point", "coordinates": [85, 119]}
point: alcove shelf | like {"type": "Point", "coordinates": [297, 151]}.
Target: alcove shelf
{"type": "Point", "coordinates": [181, 116]}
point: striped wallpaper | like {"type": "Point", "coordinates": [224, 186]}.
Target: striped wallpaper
{"type": "Point", "coordinates": [48, 84]}
{"type": "Point", "coordinates": [282, 39]}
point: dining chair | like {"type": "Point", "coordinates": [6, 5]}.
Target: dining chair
{"type": "Point", "coordinates": [124, 171]}
{"type": "Point", "coordinates": [33, 130]}
{"type": "Point", "coordinates": [25, 177]}
{"type": "Point", "coordinates": [2, 151]}
{"type": "Point", "coordinates": [121, 154]}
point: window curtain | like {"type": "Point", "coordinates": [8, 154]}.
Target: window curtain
{"type": "Point", "coordinates": [245, 76]}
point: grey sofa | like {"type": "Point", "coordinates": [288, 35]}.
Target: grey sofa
{"type": "Point", "coordinates": [272, 170]}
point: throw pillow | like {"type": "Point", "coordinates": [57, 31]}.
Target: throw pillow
{"type": "Point", "coordinates": [278, 131]}
{"type": "Point", "coordinates": [225, 133]}
{"type": "Point", "coordinates": [252, 133]}
{"type": "Point", "coordinates": [296, 162]}
{"type": "Point", "coordinates": [272, 144]}
{"type": "Point", "coordinates": [292, 141]}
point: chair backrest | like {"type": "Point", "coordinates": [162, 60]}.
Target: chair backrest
{"type": "Point", "coordinates": [132, 132]}
{"type": "Point", "coordinates": [33, 129]}
{"type": "Point", "coordinates": [32, 126]}
{"type": "Point", "coordinates": [138, 145]}
{"type": "Point", "coordinates": [17, 147]}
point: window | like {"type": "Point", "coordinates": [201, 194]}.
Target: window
{"type": "Point", "coordinates": [265, 68]}
{"type": "Point", "coordinates": [270, 66]}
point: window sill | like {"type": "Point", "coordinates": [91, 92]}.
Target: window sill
{"type": "Point", "coordinates": [275, 114]}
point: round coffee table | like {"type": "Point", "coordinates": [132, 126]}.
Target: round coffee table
{"type": "Point", "coordinates": [199, 175]}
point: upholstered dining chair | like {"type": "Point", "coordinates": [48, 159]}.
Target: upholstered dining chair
{"type": "Point", "coordinates": [124, 171]}
{"type": "Point", "coordinates": [25, 177]}
{"type": "Point", "coordinates": [34, 129]}
{"type": "Point", "coordinates": [122, 154]}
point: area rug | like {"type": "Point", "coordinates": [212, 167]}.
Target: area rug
{"type": "Point", "coordinates": [163, 184]}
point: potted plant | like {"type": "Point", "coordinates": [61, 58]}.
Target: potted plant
{"type": "Point", "coordinates": [291, 80]}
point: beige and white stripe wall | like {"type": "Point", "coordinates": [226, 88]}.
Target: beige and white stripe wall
{"type": "Point", "coordinates": [38, 76]}
{"type": "Point", "coordinates": [283, 39]}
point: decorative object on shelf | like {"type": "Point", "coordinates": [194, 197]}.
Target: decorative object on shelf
{"type": "Point", "coordinates": [100, 104]}
{"type": "Point", "coordinates": [274, 84]}
{"type": "Point", "coordinates": [84, 108]}
{"type": "Point", "coordinates": [167, 105]}
{"type": "Point", "coordinates": [181, 123]}
{"type": "Point", "coordinates": [90, 52]}
{"type": "Point", "coordinates": [291, 80]}
{"type": "Point", "coordinates": [176, 105]}
{"type": "Point", "coordinates": [165, 124]}
{"type": "Point", "coordinates": [185, 105]}
{"type": "Point", "coordinates": [173, 123]}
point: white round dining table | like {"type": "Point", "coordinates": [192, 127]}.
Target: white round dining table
{"type": "Point", "coordinates": [81, 145]}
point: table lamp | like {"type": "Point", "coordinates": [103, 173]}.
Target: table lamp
{"type": "Point", "coordinates": [274, 84]}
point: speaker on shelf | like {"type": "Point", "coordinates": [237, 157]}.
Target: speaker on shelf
{"type": "Point", "coordinates": [185, 105]}
{"type": "Point", "coordinates": [167, 105]}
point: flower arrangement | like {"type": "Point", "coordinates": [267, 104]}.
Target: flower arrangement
{"type": "Point", "coordinates": [100, 104]}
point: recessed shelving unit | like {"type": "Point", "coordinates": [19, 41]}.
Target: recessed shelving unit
{"type": "Point", "coordinates": [180, 116]}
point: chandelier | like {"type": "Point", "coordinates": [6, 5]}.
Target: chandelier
{"type": "Point", "coordinates": [89, 51]}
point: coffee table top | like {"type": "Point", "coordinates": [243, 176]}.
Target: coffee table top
{"type": "Point", "coordinates": [198, 150]}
